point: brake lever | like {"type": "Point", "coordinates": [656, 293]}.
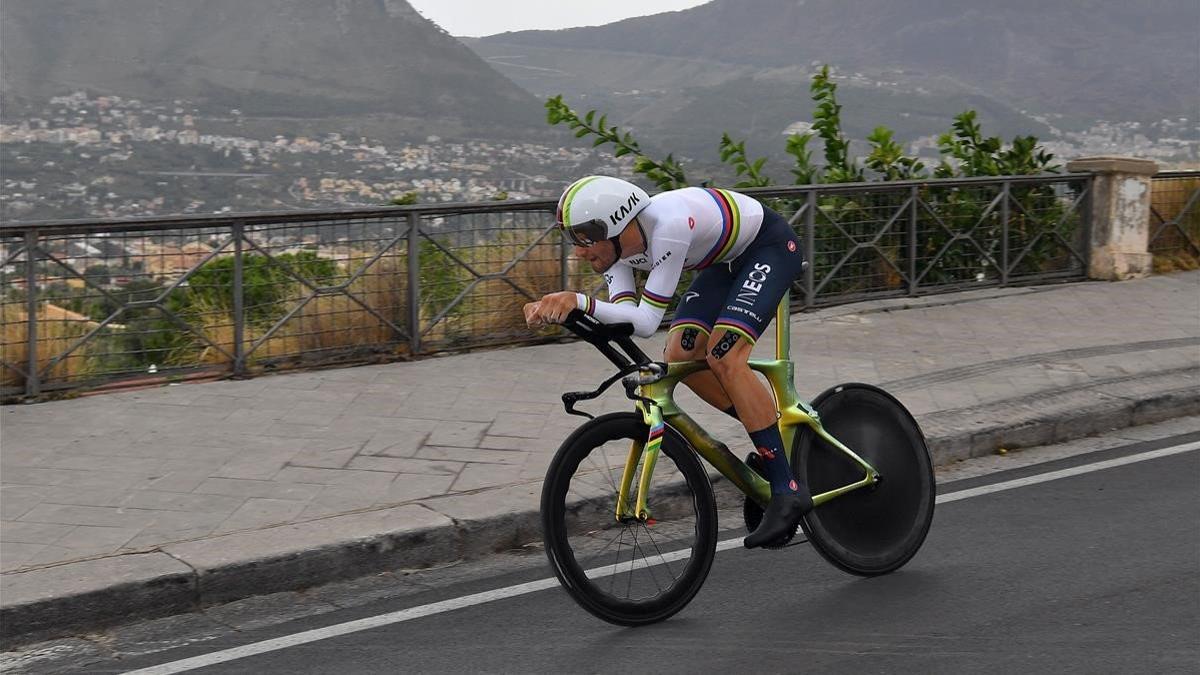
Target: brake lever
{"type": "Point", "coordinates": [570, 398]}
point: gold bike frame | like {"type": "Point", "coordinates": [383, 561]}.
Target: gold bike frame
{"type": "Point", "coordinates": [793, 412]}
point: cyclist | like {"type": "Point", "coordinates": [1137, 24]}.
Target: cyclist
{"type": "Point", "coordinates": [747, 255]}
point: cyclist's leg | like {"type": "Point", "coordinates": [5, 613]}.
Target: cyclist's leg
{"type": "Point", "coordinates": [687, 339]}
{"type": "Point", "coordinates": [762, 274]}
{"type": "Point", "coordinates": [760, 277]}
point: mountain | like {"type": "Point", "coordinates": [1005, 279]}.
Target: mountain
{"type": "Point", "coordinates": [743, 66]}
{"type": "Point", "coordinates": [291, 59]}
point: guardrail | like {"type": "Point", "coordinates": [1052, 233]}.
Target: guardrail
{"type": "Point", "coordinates": [91, 304]}
{"type": "Point", "coordinates": [1175, 220]}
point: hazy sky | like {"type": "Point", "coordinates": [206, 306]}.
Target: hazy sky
{"type": "Point", "coordinates": [473, 18]}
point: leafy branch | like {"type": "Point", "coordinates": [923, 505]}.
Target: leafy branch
{"type": "Point", "coordinates": [887, 158]}
{"type": "Point", "coordinates": [666, 174]}
{"type": "Point", "coordinates": [827, 121]}
{"type": "Point", "coordinates": [734, 154]}
{"type": "Point", "coordinates": [802, 169]}
{"type": "Point", "coordinates": [979, 156]}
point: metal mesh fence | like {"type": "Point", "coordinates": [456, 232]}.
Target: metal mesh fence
{"type": "Point", "coordinates": [120, 302]}
{"type": "Point", "coordinates": [1175, 220]}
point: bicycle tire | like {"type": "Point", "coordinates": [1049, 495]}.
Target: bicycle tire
{"type": "Point", "coordinates": [578, 517]}
{"type": "Point", "coordinates": [874, 530]}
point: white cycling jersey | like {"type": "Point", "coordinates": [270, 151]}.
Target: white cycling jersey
{"type": "Point", "coordinates": [689, 228]}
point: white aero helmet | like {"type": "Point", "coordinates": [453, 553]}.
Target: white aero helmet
{"type": "Point", "coordinates": [597, 208]}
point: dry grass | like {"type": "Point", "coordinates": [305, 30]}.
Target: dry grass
{"type": "Point", "coordinates": [335, 326]}
{"type": "Point", "coordinates": [53, 338]}
{"type": "Point", "coordinates": [1171, 250]}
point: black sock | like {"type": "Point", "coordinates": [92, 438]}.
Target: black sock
{"type": "Point", "coordinates": [769, 445]}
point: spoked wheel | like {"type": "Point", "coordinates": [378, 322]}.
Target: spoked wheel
{"type": "Point", "coordinates": [872, 530]}
{"type": "Point", "coordinates": [634, 572]}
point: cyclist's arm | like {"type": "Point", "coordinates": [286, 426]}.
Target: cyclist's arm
{"type": "Point", "coordinates": [660, 287]}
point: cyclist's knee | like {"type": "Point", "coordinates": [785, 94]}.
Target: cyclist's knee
{"type": "Point", "coordinates": [728, 351]}
{"type": "Point", "coordinates": [686, 343]}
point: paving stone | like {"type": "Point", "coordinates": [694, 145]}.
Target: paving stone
{"type": "Point", "coordinates": [508, 443]}
{"type": "Point", "coordinates": [362, 479]}
{"type": "Point", "coordinates": [179, 481]}
{"type": "Point", "coordinates": [472, 455]}
{"type": "Point", "coordinates": [261, 465]}
{"type": "Point", "coordinates": [407, 487]}
{"type": "Point", "coordinates": [151, 538]}
{"type": "Point", "coordinates": [239, 487]}
{"type": "Point", "coordinates": [105, 539]}
{"type": "Point", "coordinates": [84, 496]}
{"type": "Point", "coordinates": [17, 500]}
{"type": "Point", "coordinates": [457, 433]}
{"type": "Point", "coordinates": [16, 532]}
{"type": "Point", "coordinates": [257, 512]}
{"type": "Point", "coordinates": [477, 476]}
{"type": "Point", "coordinates": [513, 424]}
{"type": "Point", "coordinates": [14, 555]}
{"type": "Point", "coordinates": [89, 515]}
{"type": "Point", "coordinates": [23, 475]}
{"type": "Point", "coordinates": [406, 465]}
{"type": "Point", "coordinates": [335, 457]}
{"type": "Point", "coordinates": [159, 500]}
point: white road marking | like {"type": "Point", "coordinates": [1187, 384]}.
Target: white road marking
{"type": "Point", "coordinates": [1066, 473]}
{"type": "Point", "coordinates": [452, 604]}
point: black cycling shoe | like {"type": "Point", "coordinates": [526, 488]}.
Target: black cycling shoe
{"type": "Point", "coordinates": [782, 516]}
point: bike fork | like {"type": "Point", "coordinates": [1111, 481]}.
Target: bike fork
{"type": "Point", "coordinates": [646, 454]}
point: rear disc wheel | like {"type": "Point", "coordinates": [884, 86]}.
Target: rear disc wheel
{"type": "Point", "coordinates": [877, 529]}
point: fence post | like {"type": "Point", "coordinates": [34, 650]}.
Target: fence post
{"type": "Point", "coordinates": [1005, 195]}
{"type": "Point", "coordinates": [912, 241]}
{"type": "Point", "coordinates": [414, 284]}
{"type": "Point", "coordinates": [810, 245]}
{"type": "Point", "coordinates": [239, 303]}
{"type": "Point", "coordinates": [1119, 216]}
{"type": "Point", "coordinates": [33, 384]}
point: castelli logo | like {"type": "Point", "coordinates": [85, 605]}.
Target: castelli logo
{"type": "Point", "coordinates": [691, 223]}
{"type": "Point", "coordinates": [766, 453]}
{"type": "Point", "coordinates": [792, 246]}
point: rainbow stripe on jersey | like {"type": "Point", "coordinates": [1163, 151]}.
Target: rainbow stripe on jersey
{"type": "Point", "coordinates": [623, 296]}
{"type": "Point", "coordinates": [655, 300]}
{"type": "Point", "coordinates": [731, 224]}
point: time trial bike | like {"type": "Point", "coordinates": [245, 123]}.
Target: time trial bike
{"type": "Point", "coordinates": [629, 514]}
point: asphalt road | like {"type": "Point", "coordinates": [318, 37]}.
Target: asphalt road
{"type": "Point", "coordinates": [1093, 573]}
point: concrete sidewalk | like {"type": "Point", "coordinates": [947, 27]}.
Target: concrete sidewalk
{"type": "Point", "coordinates": [162, 500]}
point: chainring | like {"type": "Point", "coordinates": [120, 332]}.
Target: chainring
{"type": "Point", "coordinates": [752, 513]}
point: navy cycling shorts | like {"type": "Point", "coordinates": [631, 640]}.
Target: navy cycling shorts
{"type": "Point", "coordinates": [741, 295]}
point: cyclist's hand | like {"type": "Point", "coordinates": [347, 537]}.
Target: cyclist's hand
{"type": "Point", "coordinates": [554, 307]}
{"type": "Point", "coordinates": [531, 315]}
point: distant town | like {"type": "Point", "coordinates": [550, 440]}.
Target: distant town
{"type": "Point", "coordinates": [84, 156]}
{"type": "Point", "coordinates": [110, 157]}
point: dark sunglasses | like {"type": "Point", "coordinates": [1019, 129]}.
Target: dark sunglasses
{"type": "Point", "coordinates": [588, 233]}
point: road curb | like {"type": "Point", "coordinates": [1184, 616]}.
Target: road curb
{"type": "Point", "coordinates": [88, 595]}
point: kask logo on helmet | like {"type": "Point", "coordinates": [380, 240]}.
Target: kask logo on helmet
{"type": "Point", "coordinates": [625, 209]}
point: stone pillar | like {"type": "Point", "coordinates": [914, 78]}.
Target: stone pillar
{"type": "Point", "coordinates": [1120, 215]}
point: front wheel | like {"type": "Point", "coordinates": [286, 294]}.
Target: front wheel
{"type": "Point", "coordinates": [872, 530]}
{"type": "Point", "coordinates": [634, 572]}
